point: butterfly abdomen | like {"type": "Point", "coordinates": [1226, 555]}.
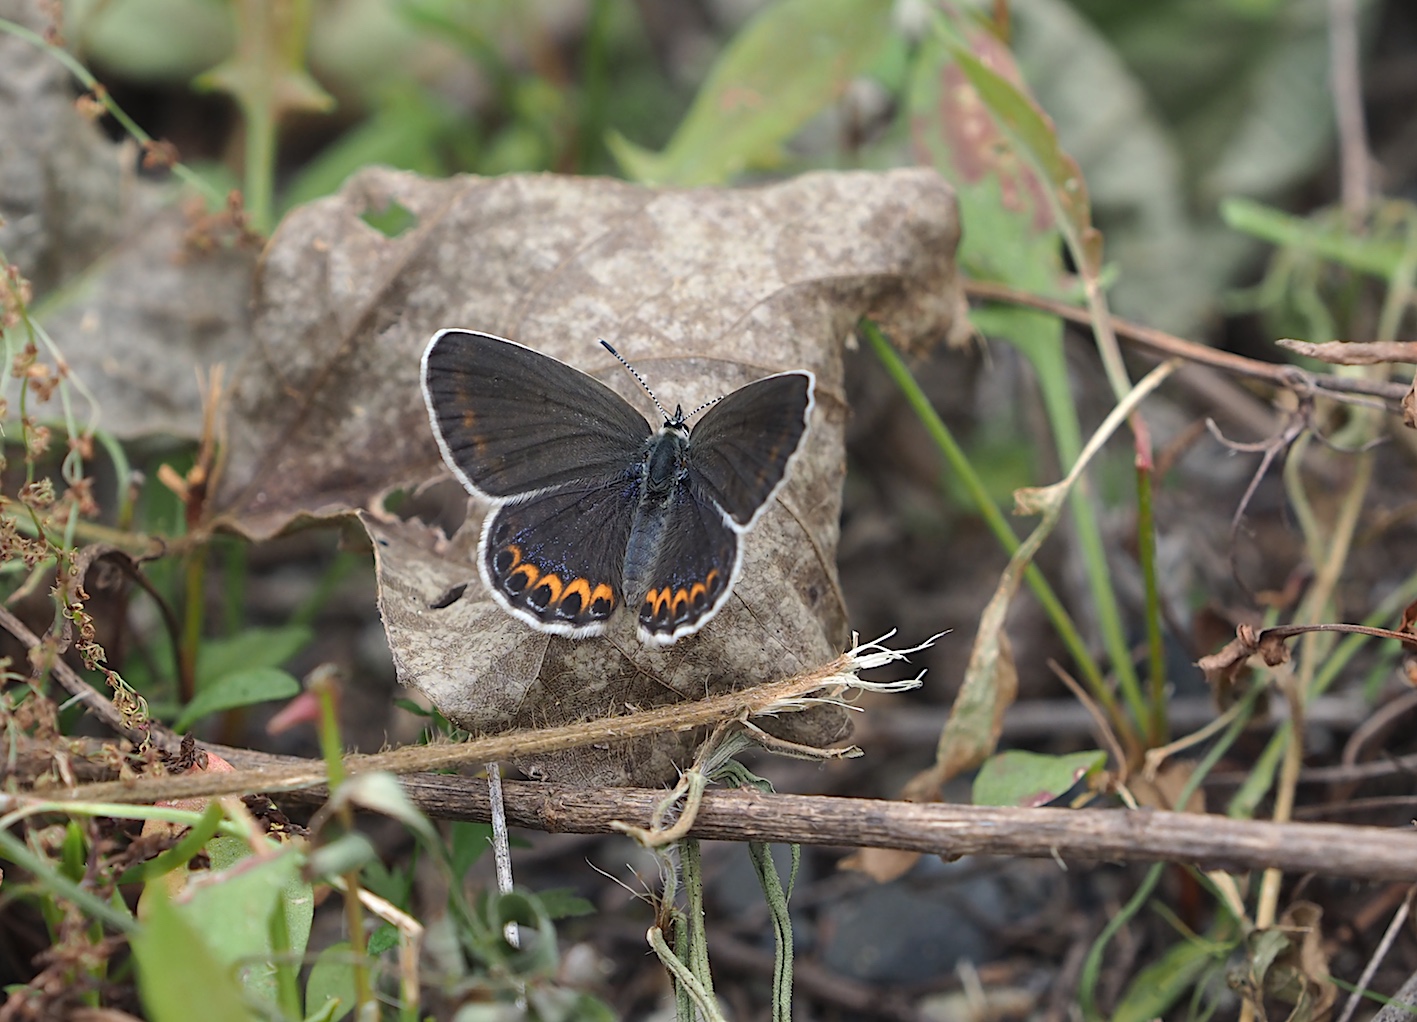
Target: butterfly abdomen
{"type": "Point", "coordinates": [664, 469]}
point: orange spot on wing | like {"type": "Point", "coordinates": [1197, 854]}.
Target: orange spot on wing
{"type": "Point", "coordinates": [698, 591]}
{"type": "Point", "coordinates": [527, 569]}
{"type": "Point", "coordinates": [681, 599]}
{"type": "Point", "coordinates": [656, 600]}
{"type": "Point", "coordinates": [602, 592]}
{"type": "Point", "coordinates": [578, 587]}
{"type": "Point", "coordinates": [551, 581]}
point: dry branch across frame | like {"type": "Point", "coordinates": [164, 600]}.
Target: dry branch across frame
{"type": "Point", "coordinates": [950, 830]}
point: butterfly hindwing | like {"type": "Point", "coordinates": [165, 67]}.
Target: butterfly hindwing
{"type": "Point", "coordinates": [739, 450]}
{"type": "Point", "coordinates": [511, 421]}
{"type": "Point", "coordinates": [537, 562]}
{"type": "Point", "coordinates": [694, 569]}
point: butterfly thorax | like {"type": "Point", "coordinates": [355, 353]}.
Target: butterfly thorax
{"type": "Point", "coordinates": [665, 466]}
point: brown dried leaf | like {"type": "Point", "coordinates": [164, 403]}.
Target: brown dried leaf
{"type": "Point", "coordinates": [1163, 791]}
{"type": "Point", "coordinates": [1289, 962]}
{"type": "Point", "coordinates": [1409, 618]}
{"type": "Point", "coordinates": [1222, 670]}
{"type": "Point", "coordinates": [703, 290]}
{"type": "Point", "coordinates": [880, 864]}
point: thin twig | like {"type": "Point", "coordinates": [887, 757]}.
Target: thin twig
{"type": "Point", "coordinates": [1164, 345]}
{"type": "Point", "coordinates": [94, 701]}
{"type": "Point", "coordinates": [501, 847]}
{"type": "Point", "coordinates": [1099, 719]}
{"type": "Point", "coordinates": [830, 682]}
{"type": "Point", "coordinates": [1345, 80]}
{"type": "Point", "coordinates": [1394, 927]}
{"type": "Point", "coordinates": [1272, 448]}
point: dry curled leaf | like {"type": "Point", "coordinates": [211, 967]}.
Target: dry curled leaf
{"type": "Point", "coordinates": [702, 290]}
{"type": "Point", "coordinates": [1222, 669]}
{"type": "Point", "coordinates": [1288, 962]}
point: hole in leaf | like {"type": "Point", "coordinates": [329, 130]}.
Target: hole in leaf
{"type": "Point", "coordinates": [448, 598]}
{"type": "Point", "coordinates": [390, 221]}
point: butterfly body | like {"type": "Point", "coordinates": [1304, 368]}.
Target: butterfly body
{"type": "Point", "coordinates": [593, 508]}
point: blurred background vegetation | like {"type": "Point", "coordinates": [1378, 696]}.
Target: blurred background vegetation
{"type": "Point", "coordinates": [1207, 152]}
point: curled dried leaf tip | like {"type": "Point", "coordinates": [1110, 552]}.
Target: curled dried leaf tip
{"type": "Point", "coordinates": [1222, 669]}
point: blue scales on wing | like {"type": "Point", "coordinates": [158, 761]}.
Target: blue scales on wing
{"type": "Point", "coordinates": [695, 566]}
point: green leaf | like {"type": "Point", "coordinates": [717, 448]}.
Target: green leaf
{"type": "Point", "coordinates": [394, 885]}
{"type": "Point", "coordinates": [565, 903]}
{"type": "Point", "coordinates": [405, 132]}
{"type": "Point", "coordinates": [74, 854]}
{"type": "Point", "coordinates": [409, 706]}
{"type": "Point", "coordinates": [258, 685]}
{"type": "Point", "coordinates": [57, 885]}
{"type": "Point", "coordinates": [1329, 240]}
{"type": "Point", "coordinates": [254, 647]}
{"type": "Point", "coordinates": [392, 220]}
{"type": "Point", "coordinates": [537, 956]}
{"type": "Point", "coordinates": [1155, 990]}
{"type": "Point", "coordinates": [789, 62]}
{"type": "Point", "coordinates": [1009, 233]}
{"type": "Point", "coordinates": [181, 853]}
{"type": "Point", "coordinates": [384, 937]}
{"type": "Point", "coordinates": [381, 792]}
{"type": "Point", "coordinates": [177, 970]}
{"type": "Point", "coordinates": [1034, 140]}
{"type": "Point", "coordinates": [1132, 162]}
{"type": "Point", "coordinates": [345, 853]}
{"type": "Point", "coordinates": [331, 982]}
{"type": "Point", "coordinates": [1278, 110]}
{"type": "Point", "coordinates": [468, 842]}
{"type": "Point", "coordinates": [152, 41]}
{"type": "Point", "coordinates": [1019, 778]}
{"type": "Point", "coordinates": [234, 906]}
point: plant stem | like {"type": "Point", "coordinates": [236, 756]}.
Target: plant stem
{"type": "Point", "coordinates": [994, 518]}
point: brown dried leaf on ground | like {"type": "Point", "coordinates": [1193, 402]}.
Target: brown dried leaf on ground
{"type": "Point", "coordinates": [703, 290]}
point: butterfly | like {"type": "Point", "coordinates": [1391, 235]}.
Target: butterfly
{"type": "Point", "coordinates": [595, 508]}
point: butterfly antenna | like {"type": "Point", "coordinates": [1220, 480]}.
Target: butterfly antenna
{"type": "Point", "coordinates": [706, 404]}
{"type": "Point", "coordinates": [640, 379]}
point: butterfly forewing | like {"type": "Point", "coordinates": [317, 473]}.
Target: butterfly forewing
{"type": "Point", "coordinates": [693, 571]}
{"type": "Point", "coordinates": [739, 450]}
{"type": "Point", "coordinates": [512, 421]}
{"type": "Point", "coordinates": [537, 561]}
